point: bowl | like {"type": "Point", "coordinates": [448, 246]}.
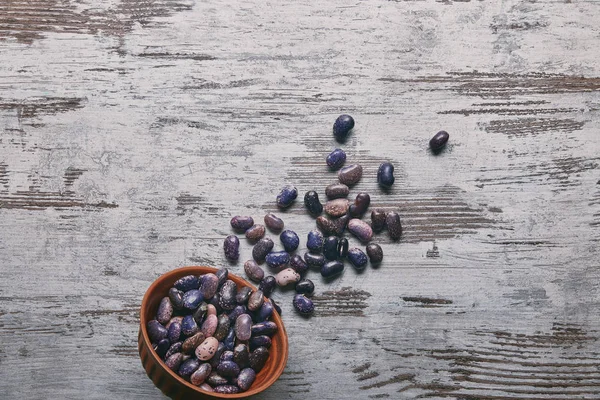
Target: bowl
{"type": "Point", "coordinates": [171, 384]}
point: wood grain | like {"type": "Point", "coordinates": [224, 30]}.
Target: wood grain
{"type": "Point", "coordinates": [131, 131]}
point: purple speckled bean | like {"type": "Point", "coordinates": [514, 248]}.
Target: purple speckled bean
{"type": "Point", "coordinates": [246, 378]}
{"type": "Point", "coordinates": [165, 311]}
{"type": "Point", "coordinates": [360, 229]}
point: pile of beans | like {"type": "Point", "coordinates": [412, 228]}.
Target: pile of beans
{"type": "Point", "coordinates": [213, 334]}
{"type": "Point", "coordinates": [327, 247]}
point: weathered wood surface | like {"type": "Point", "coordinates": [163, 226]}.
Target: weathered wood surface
{"type": "Point", "coordinates": [131, 131]}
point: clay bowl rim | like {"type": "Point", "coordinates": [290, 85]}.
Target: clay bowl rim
{"type": "Point", "coordinates": [200, 269]}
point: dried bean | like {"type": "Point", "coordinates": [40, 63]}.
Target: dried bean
{"type": "Point", "coordinates": [330, 248]}
{"type": "Point", "coordinates": [394, 226]}
{"type": "Point", "coordinates": [241, 355]}
{"type": "Point", "coordinates": [357, 258]}
{"type": "Point", "coordinates": [342, 248]}
{"type": "Point", "coordinates": [360, 229]}
{"type": "Point", "coordinates": [264, 328]}
{"type": "Point", "coordinates": [256, 300]}
{"type": "Point", "coordinates": [305, 286]}
{"type": "Point", "coordinates": [255, 233]}
{"type": "Point", "coordinates": [303, 304]}
{"type": "Point", "coordinates": [290, 240]}
{"type": "Point", "coordinates": [336, 208]}
{"type": "Point", "coordinates": [287, 276]}
{"type": "Point", "coordinates": [312, 203]}
{"type": "Point", "coordinates": [176, 297]}
{"type": "Point", "coordinates": [162, 347]}
{"type": "Point", "coordinates": [314, 241]}
{"type": "Point", "coordinates": [209, 285]}
{"type": "Point", "coordinates": [190, 344]}
{"type": "Point", "coordinates": [342, 127]}
{"type": "Point", "coordinates": [237, 311]}
{"type": "Point", "coordinates": [174, 332]}
{"type": "Point", "coordinates": [156, 331]}
{"type": "Point", "coordinates": [200, 375]}
{"type": "Point", "coordinates": [188, 367]}
{"type": "Point", "coordinates": [314, 260]}
{"type": "Point", "coordinates": [375, 253]}
{"type": "Point", "coordinates": [385, 175]}
{"type": "Point", "coordinates": [165, 311]}
{"type": "Point", "coordinates": [243, 295]}
{"type": "Point", "coordinates": [378, 220]}
{"type": "Point", "coordinates": [228, 369]}
{"type": "Point", "coordinates": [361, 203]}
{"type": "Point", "coordinates": [222, 327]}
{"type": "Point", "coordinates": [207, 349]}
{"type": "Point", "coordinates": [227, 295]}
{"type": "Point", "coordinates": [350, 175]}
{"type": "Point", "coordinates": [188, 282]}
{"type": "Point", "coordinates": [246, 378]}
{"type": "Point", "coordinates": [222, 274]}
{"type": "Point", "coordinates": [175, 348]}
{"type": "Point", "coordinates": [261, 249]}
{"type": "Point", "coordinates": [336, 159]}
{"type": "Point", "coordinates": [216, 380]}
{"type": "Point", "coordinates": [260, 341]}
{"type": "Point", "coordinates": [174, 361]}
{"type": "Point", "coordinates": [253, 271]}
{"type": "Point", "coordinates": [287, 196]}
{"type": "Point", "coordinates": [337, 191]}
{"type": "Point", "coordinates": [200, 312]}
{"type": "Point", "coordinates": [298, 264]}
{"type": "Point", "coordinates": [226, 389]}
{"type": "Point", "coordinates": [258, 358]}
{"type": "Point", "coordinates": [266, 310]}
{"type": "Point", "coordinates": [267, 285]}
{"type": "Point", "coordinates": [273, 222]}
{"type": "Point", "coordinates": [231, 247]}
{"type": "Point", "coordinates": [241, 223]}
{"type": "Point", "coordinates": [277, 259]}
{"type": "Point", "coordinates": [209, 326]}
{"type": "Point", "coordinates": [192, 299]}
{"type": "Point", "coordinates": [243, 327]}
{"type": "Point", "coordinates": [438, 141]}
{"type": "Point", "coordinates": [332, 268]}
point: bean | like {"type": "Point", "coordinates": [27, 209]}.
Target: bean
{"type": "Point", "coordinates": [174, 361]}
{"type": "Point", "coordinates": [165, 311]}
{"type": "Point", "coordinates": [290, 240]}
{"type": "Point", "coordinates": [273, 222]}
{"type": "Point", "coordinates": [264, 328]}
{"type": "Point", "coordinates": [336, 208]}
{"type": "Point", "coordinates": [190, 344]}
{"type": "Point", "coordinates": [243, 326]}
{"type": "Point", "coordinates": [241, 355]}
{"type": "Point", "coordinates": [343, 248]}
{"type": "Point", "coordinates": [314, 260]}
{"type": "Point", "coordinates": [287, 276]}
{"type": "Point", "coordinates": [287, 196]}
{"type": "Point", "coordinates": [231, 247]}
{"type": "Point", "coordinates": [255, 233]}
{"type": "Point", "coordinates": [216, 380]}
{"type": "Point", "coordinates": [228, 369]}
{"type": "Point", "coordinates": [305, 286]}
{"type": "Point", "coordinates": [243, 295]}
{"type": "Point", "coordinates": [314, 240]}
{"type": "Point", "coordinates": [222, 327]}
{"type": "Point", "coordinates": [330, 246]}
{"type": "Point", "coordinates": [360, 229]}
{"type": "Point", "coordinates": [361, 203]}
{"type": "Point", "coordinates": [267, 285]}
{"type": "Point", "coordinates": [332, 227]}
{"type": "Point", "coordinates": [277, 259]}
{"type": "Point", "coordinates": [350, 175]}
{"type": "Point", "coordinates": [209, 326]}
{"type": "Point", "coordinates": [261, 249]}
{"type": "Point", "coordinates": [378, 220]}
{"type": "Point", "coordinates": [237, 311]}
{"type": "Point", "coordinates": [227, 295]}
{"type": "Point", "coordinates": [392, 220]}
{"type": "Point", "coordinates": [303, 304]}
{"type": "Point", "coordinates": [312, 203]}
{"type": "Point", "coordinates": [265, 312]}
{"type": "Point", "coordinates": [276, 306]}
{"type": "Point", "coordinates": [253, 271]}
{"type": "Point", "coordinates": [216, 358]}
{"type": "Point", "coordinates": [226, 389]}
{"type": "Point", "coordinates": [200, 312]}
{"type": "Point", "coordinates": [258, 358]}
{"type": "Point", "coordinates": [186, 283]}
{"type": "Point", "coordinates": [175, 348]}
{"type": "Point", "coordinates": [192, 299]}
{"type": "Point", "coordinates": [222, 273]}
{"type": "Point", "coordinates": [337, 191]}
{"type": "Point", "coordinates": [342, 126]}
{"type": "Point", "coordinates": [227, 356]}
{"type": "Point", "coordinates": [200, 375]}
{"type": "Point", "coordinates": [174, 332]}
{"type": "Point", "coordinates": [246, 378]}
{"type": "Point", "coordinates": [336, 159]}
{"type": "Point", "coordinates": [357, 258]}
{"type": "Point", "coordinates": [298, 264]}
{"type": "Point", "coordinates": [162, 347]}
{"type": "Point", "coordinates": [156, 331]}
{"type": "Point", "coordinates": [206, 387]}
{"type": "Point", "coordinates": [207, 349]}
{"type": "Point", "coordinates": [260, 341]}
{"type": "Point", "coordinates": [229, 341]}
{"type": "Point", "coordinates": [256, 300]}
{"type": "Point", "coordinates": [188, 367]}
{"type": "Point", "coordinates": [375, 253]}
{"type": "Point", "coordinates": [176, 297]}
{"type": "Point", "coordinates": [209, 285]}
{"type": "Point", "coordinates": [241, 223]}
{"type": "Point", "coordinates": [385, 175]}
{"type": "Point", "coordinates": [438, 141]}
{"type": "Point", "coordinates": [332, 268]}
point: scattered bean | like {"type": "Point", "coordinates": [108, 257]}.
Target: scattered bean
{"type": "Point", "coordinates": [261, 249]}
{"type": "Point", "coordinates": [342, 126]}
{"type": "Point", "coordinates": [385, 175]}
{"type": "Point", "coordinates": [336, 208]}
{"type": "Point", "coordinates": [357, 258]}
{"type": "Point", "coordinates": [253, 271]}
{"type": "Point", "coordinates": [287, 276]}
{"type": "Point", "coordinates": [255, 233]}
{"type": "Point", "coordinates": [312, 203]}
{"type": "Point", "coordinates": [350, 175]}
{"type": "Point", "coordinates": [375, 253]}
{"type": "Point", "coordinates": [336, 159]}
{"type": "Point", "coordinates": [337, 191]}
{"type": "Point", "coordinates": [305, 286]}
{"type": "Point", "coordinates": [267, 285]}
{"type": "Point", "coordinates": [332, 268]}
{"type": "Point", "coordinates": [298, 264]}
{"type": "Point", "coordinates": [290, 240]}
{"type": "Point", "coordinates": [439, 140]}
{"type": "Point", "coordinates": [287, 196]}
{"type": "Point", "coordinates": [378, 220]}
{"type": "Point", "coordinates": [266, 310]}
{"type": "Point", "coordinates": [394, 227]}
{"type": "Point", "coordinates": [330, 246]}
{"type": "Point", "coordinates": [314, 260]}
{"type": "Point", "coordinates": [231, 247]}
{"type": "Point", "coordinates": [360, 229]}
{"type": "Point", "coordinates": [303, 304]}
{"type": "Point", "coordinates": [241, 223]}
{"type": "Point", "coordinates": [361, 203]}
{"type": "Point", "coordinates": [277, 259]}
{"type": "Point", "coordinates": [273, 222]}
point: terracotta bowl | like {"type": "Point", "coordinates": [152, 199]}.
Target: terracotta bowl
{"type": "Point", "coordinates": [171, 384]}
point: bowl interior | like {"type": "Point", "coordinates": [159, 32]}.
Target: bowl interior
{"type": "Point", "coordinates": [278, 352]}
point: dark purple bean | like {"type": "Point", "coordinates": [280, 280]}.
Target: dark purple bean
{"type": "Point", "coordinates": [229, 340]}
{"type": "Point", "coordinates": [209, 285]}
{"type": "Point", "coordinates": [226, 389]}
{"type": "Point", "coordinates": [303, 304]}
{"type": "Point", "coordinates": [162, 347]}
{"type": "Point", "coordinates": [439, 141]}
{"type": "Point", "coordinates": [385, 175]}
{"type": "Point", "coordinates": [264, 328]}
{"type": "Point", "coordinates": [156, 331]}
{"type": "Point", "coordinates": [192, 299]}
{"type": "Point", "coordinates": [241, 355]}
{"type": "Point", "coordinates": [261, 249]}
{"type": "Point", "coordinates": [222, 273]}
{"type": "Point", "coordinates": [393, 224]}
{"type": "Point", "coordinates": [165, 311]}
{"type": "Point", "coordinates": [332, 268]}
{"type": "Point", "coordinates": [336, 159]}
{"type": "Point", "coordinates": [276, 306]}
{"type": "Point", "coordinates": [290, 240]}
{"type": "Point", "coordinates": [314, 241]}
{"type": "Point", "coordinates": [222, 327]}
{"type": "Point", "coordinates": [378, 220]}
{"type": "Point", "coordinates": [375, 253]}
{"type": "Point", "coordinates": [342, 248]}
{"type": "Point", "coordinates": [228, 369]}
{"type": "Point", "coordinates": [255, 233]}
{"type": "Point", "coordinates": [200, 312]}
{"type": "Point", "coordinates": [227, 355]}
{"type": "Point", "coordinates": [273, 222]}
{"type": "Point", "coordinates": [176, 297]}
{"type": "Point", "coordinates": [243, 295]}
{"type": "Point", "coordinates": [241, 223]}
{"type": "Point", "coordinates": [231, 247]}
{"type": "Point", "coordinates": [188, 367]}
{"type": "Point", "coordinates": [258, 358]}
{"type": "Point", "coordinates": [245, 379]}
{"type": "Point", "coordinates": [215, 380]}
{"type": "Point", "coordinates": [314, 260]}
{"type": "Point", "coordinates": [267, 285]}
{"type": "Point", "coordinates": [227, 295]}
{"type": "Point", "coordinates": [350, 175]}
{"type": "Point", "coordinates": [253, 271]}
{"type": "Point", "coordinates": [188, 282]}
{"type": "Point", "coordinates": [342, 127]}
{"type": "Point", "coordinates": [216, 358]}
{"type": "Point", "coordinates": [206, 387]}
{"type": "Point", "coordinates": [243, 327]}
{"type": "Point", "coordinates": [326, 226]}
{"type": "Point", "coordinates": [266, 310]}
{"type": "Point", "coordinates": [175, 348]}
{"type": "Point", "coordinates": [200, 375]}
{"type": "Point", "coordinates": [312, 203]}
{"type": "Point", "coordinates": [260, 341]}
{"type": "Point", "coordinates": [357, 258]}
{"type": "Point", "coordinates": [305, 286]}
{"type": "Point", "coordinates": [277, 259]}
{"type": "Point", "coordinates": [361, 203]}
{"type": "Point", "coordinates": [189, 326]}
{"type": "Point", "coordinates": [174, 361]}
{"type": "Point", "coordinates": [337, 191]}
{"type": "Point", "coordinates": [174, 332]}
{"type": "Point", "coordinates": [286, 197]}
{"type": "Point", "coordinates": [330, 246]}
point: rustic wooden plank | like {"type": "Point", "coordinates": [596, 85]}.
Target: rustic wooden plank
{"type": "Point", "coordinates": [131, 131]}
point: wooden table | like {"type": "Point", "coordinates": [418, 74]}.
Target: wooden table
{"type": "Point", "coordinates": [132, 131]}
